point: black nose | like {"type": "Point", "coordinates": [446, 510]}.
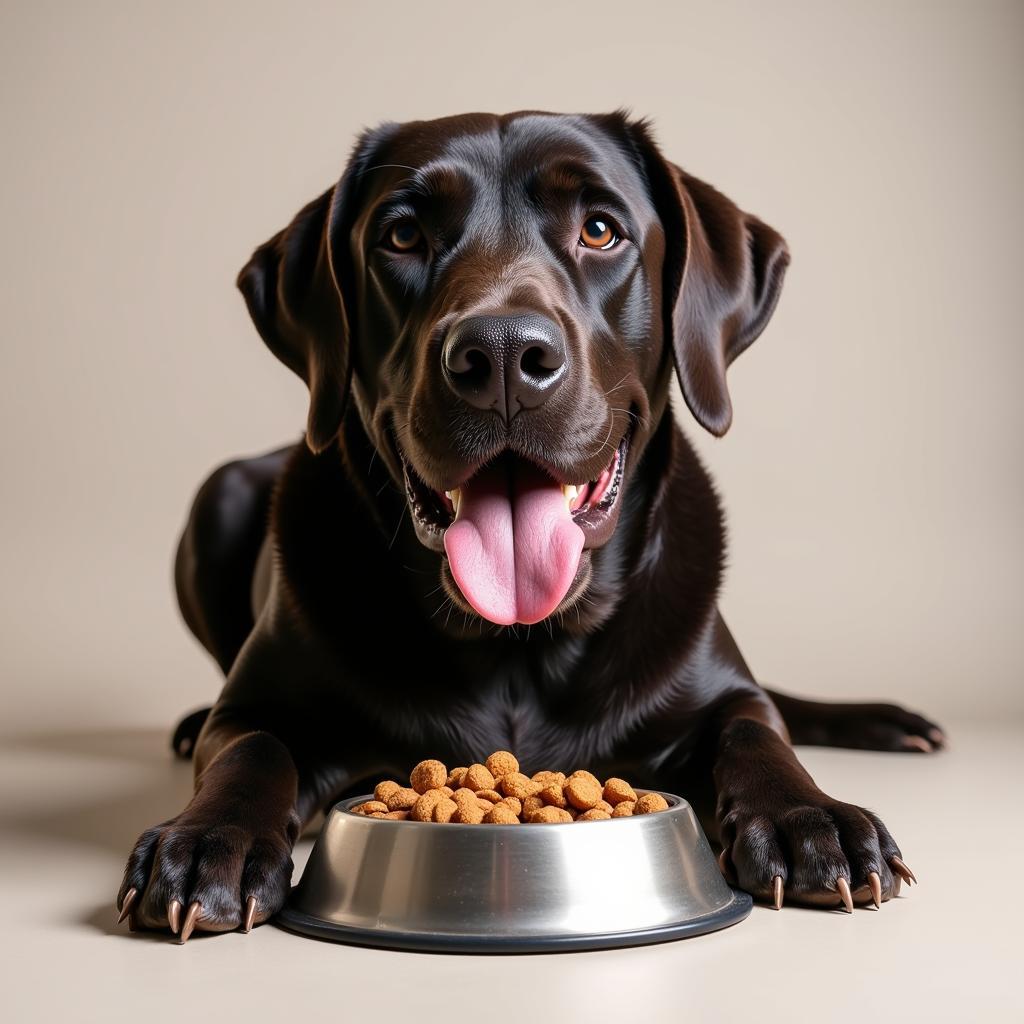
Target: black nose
{"type": "Point", "coordinates": [505, 363]}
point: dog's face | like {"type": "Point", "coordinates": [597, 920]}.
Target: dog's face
{"type": "Point", "coordinates": [505, 297]}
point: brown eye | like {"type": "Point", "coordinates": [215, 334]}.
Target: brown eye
{"type": "Point", "coordinates": [598, 233]}
{"type": "Point", "coordinates": [405, 236]}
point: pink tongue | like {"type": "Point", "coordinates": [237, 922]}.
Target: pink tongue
{"type": "Point", "coordinates": [514, 548]}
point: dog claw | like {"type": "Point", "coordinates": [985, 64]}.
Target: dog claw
{"type": "Point", "coordinates": [844, 890]}
{"type": "Point", "coordinates": [902, 869]}
{"type": "Point", "coordinates": [876, 889]}
{"type": "Point", "coordinates": [194, 910]}
{"type": "Point", "coordinates": [250, 914]}
{"type": "Point", "coordinates": [174, 915]}
{"type": "Point", "coordinates": [777, 891]}
{"type": "Point", "coordinates": [126, 905]}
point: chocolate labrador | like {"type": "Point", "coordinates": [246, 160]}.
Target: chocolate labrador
{"type": "Point", "coordinates": [495, 534]}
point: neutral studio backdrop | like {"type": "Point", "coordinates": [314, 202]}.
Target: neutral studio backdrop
{"type": "Point", "coordinates": [873, 477]}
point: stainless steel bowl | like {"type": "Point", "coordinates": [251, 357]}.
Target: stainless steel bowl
{"type": "Point", "coordinates": [512, 888]}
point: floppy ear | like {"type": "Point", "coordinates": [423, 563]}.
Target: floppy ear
{"type": "Point", "coordinates": [722, 278]}
{"type": "Point", "coordinates": [298, 289]}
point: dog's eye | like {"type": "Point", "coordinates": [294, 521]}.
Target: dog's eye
{"type": "Point", "coordinates": [598, 233]}
{"type": "Point", "coordinates": [405, 236]}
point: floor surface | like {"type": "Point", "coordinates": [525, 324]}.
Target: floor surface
{"type": "Point", "coordinates": [74, 799]}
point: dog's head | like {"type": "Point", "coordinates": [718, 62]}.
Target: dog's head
{"type": "Point", "coordinates": [504, 297]}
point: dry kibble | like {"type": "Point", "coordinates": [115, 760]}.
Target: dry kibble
{"type": "Point", "coordinates": [531, 804]}
{"type": "Point", "coordinates": [478, 776]}
{"type": "Point", "coordinates": [466, 814]}
{"type": "Point", "coordinates": [371, 806]}
{"type": "Point", "coordinates": [582, 790]}
{"type": "Point", "coordinates": [464, 798]}
{"type": "Point", "coordinates": [617, 790]}
{"type": "Point", "coordinates": [501, 762]}
{"type": "Point", "coordinates": [384, 789]}
{"type": "Point", "coordinates": [549, 815]}
{"type": "Point", "coordinates": [501, 814]}
{"type": "Point", "coordinates": [428, 775]}
{"type": "Point", "coordinates": [650, 802]}
{"type": "Point", "coordinates": [423, 809]}
{"type": "Point", "coordinates": [514, 803]}
{"type": "Point", "coordinates": [444, 809]}
{"type": "Point", "coordinates": [518, 785]}
{"type": "Point", "coordinates": [499, 793]}
{"type": "Point", "coordinates": [402, 799]}
{"type": "Point", "coordinates": [553, 795]}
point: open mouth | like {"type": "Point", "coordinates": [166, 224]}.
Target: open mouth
{"type": "Point", "coordinates": [514, 534]}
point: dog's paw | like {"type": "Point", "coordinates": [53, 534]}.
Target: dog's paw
{"type": "Point", "coordinates": [210, 872]}
{"type": "Point", "coordinates": [883, 727]}
{"type": "Point", "coordinates": [812, 850]}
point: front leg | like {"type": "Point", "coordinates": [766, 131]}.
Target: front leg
{"type": "Point", "coordinates": [225, 860]}
{"type": "Point", "coordinates": [780, 833]}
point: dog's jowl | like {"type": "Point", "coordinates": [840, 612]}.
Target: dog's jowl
{"type": "Point", "coordinates": [495, 535]}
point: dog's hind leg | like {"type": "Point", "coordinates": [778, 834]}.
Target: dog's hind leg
{"type": "Point", "coordinates": [216, 561]}
{"type": "Point", "coordinates": [858, 726]}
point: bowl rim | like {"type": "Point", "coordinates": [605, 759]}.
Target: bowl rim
{"type": "Point", "coordinates": [676, 804]}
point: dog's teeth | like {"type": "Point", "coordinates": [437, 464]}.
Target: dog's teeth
{"type": "Point", "coordinates": [454, 497]}
{"type": "Point", "coordinates": [571, 492]}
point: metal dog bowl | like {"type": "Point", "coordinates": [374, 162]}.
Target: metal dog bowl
{"type": "Point", "coordinates": [512, 888]}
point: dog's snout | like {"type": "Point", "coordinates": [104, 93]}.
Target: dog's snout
{"type": "Point", "coordinates": [505, 363]}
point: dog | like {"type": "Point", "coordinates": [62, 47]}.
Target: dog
{"type": "Point", "coordinates": [495, 534]}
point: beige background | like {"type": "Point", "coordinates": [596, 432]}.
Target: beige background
{"type": "Point", "coordinates": [873, 477]}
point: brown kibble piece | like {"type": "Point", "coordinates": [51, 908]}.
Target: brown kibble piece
{"type": "Point", "coordinates": [464, 798]}
{"type": "Point", "coordinates": [549, 815]}
{"type": "Point", "coordinates": [582, 790]}
{"type": "Point", "coordinates": [623, 810]}
{"type": "Point", "coordinates": [514, 803]}
{"type": "Point", "coordinates": [384, 789]}
{"type": "Point", "coordinates": [423, 809]}
{"type": "Point", "coordinates": [444, 809]}
{"type": "Point", "coordinates": [603, 805]}
{"type": "Point", "coordinates": [455, 777]}
{"type": "Point", "coordinates": [617, 790]}
{"type": "Point", "coordinates": [478, 777]}
{"type": "Point", "coordinates": [492, 796]}
{"type": "Point", "coordinates": [402, 799]}
{"type": "Point", "coordinates": [553, 795]}
{"type": "Point", "coordinates": [428, 774]}
{"type": "Point", "coordinates": [650, 802]}
{"type": "Point", "coordinates": [397, 815]}
{"type": "Point", "coordinates": [465, 814]}
{"type": "Point", "coordinates": [518, 785]}
{"type": "Point", "coordinates": [370, 807]}
{"type": "Point", "coordinates": [378, 814]}
{"type": "Point", "coordinates": [531, 804]}
{"type": "Point", "coordinates": [501, 762]}
{"type": "Point", "coordinates": [546, 778]}
{"type": "Point", "coordinates": [594, 814]}
{"type": "Point", "coordinates": [447, 790]}
{"type": "Point", "coordinates": [501, 814]}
